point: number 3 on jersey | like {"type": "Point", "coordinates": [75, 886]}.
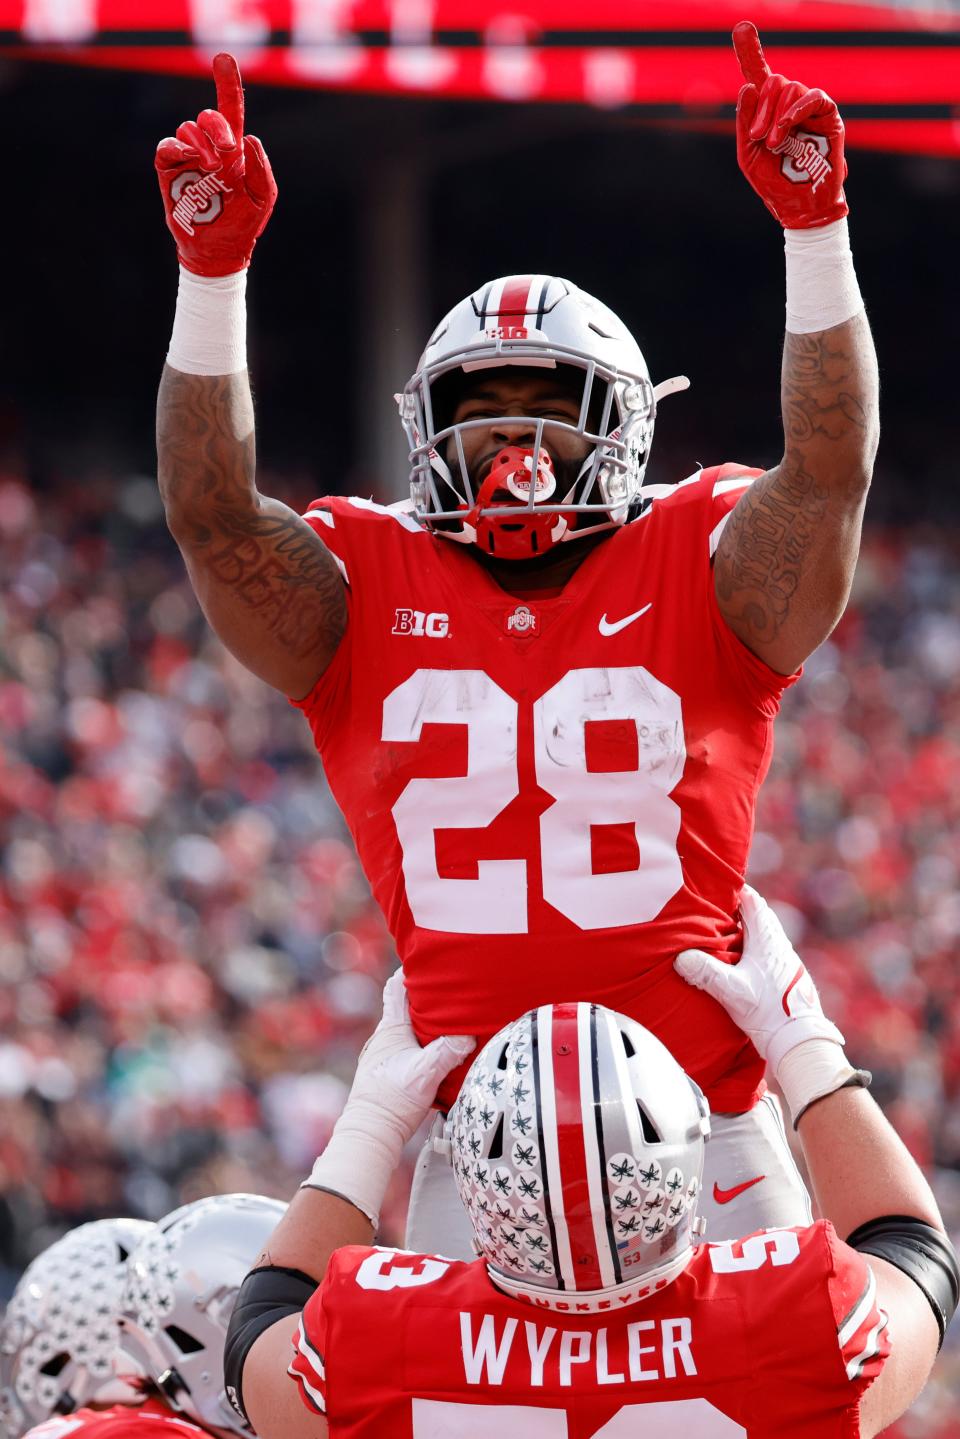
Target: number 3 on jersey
{"type": "Point", "coordinates": [496, 901]}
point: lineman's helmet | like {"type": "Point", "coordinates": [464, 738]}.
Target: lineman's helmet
{"type": "Point", "coordinates": [578, 1149]}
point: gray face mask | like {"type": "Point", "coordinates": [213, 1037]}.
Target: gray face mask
{"type": "Point", "coordinates": [548, 323]}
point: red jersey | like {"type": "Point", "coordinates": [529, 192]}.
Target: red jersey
{"type": "Point", "coordinates": [150, 1420]}
{"type": "Point", "coordinates": [772, 1337]}
{"type": "Point", "coordinates": [551, 797]}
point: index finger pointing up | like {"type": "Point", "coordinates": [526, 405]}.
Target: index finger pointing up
{"type": "Point", "coordinates": [746, 42]}
{"type": "Point", "coordinates": [226, 73]}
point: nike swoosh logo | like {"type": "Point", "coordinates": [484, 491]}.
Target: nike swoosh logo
{"type": "Point", "coordinates": [724, 1196]}
{"type": "Point", "coordinates": [786, 993]}
{"type": "Point", "coordinates": [613, 627]}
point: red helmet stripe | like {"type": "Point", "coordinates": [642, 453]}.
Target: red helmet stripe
{"type": "Point", "coordinates": [518, 296]}
{"type": "Point", "coordinates": [547, 1135]}
{"type": "Point", "coordinates": [593, 1142]}
{"type": "Point", "coordinates": [574, 1111]}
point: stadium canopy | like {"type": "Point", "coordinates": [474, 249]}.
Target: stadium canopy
{"type": "Point", "coordinates": [895, 70]}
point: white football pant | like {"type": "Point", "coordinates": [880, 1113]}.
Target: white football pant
{"type": "Point", "coordinates": [750, 1182]}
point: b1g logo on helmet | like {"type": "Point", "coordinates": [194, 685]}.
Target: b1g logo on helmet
{"type": "Point", "coordinates": [197, 199]}
{"type": "Point", "coordinates": [805, 158]}
{"type": "Point", "coordinates": [507, 332]}
{"type": "Point", "coordinates": [522, 621]}
{"type": "Point", "coordinates": [434, 626]}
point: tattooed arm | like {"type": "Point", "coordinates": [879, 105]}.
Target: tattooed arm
{"type": "Point", "coordinates": [785, 561]}
{"type": "Point", "coordinates": [265, 581]}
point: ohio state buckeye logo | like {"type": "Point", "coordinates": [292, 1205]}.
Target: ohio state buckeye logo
{"type": "Point", "coordinates": [805, 158]}
{"type": "Point", "coordinates": [197, 199]}
{"type": "Point", "coordinates": [522, 621]}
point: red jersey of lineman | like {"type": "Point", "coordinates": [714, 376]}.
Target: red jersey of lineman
{"type": "Point", "coordinates": [551, 797]}
{"type": "Point", "coordinates": [772, 1337]}
{"type": "Point", "coordinates": [151, 1420]}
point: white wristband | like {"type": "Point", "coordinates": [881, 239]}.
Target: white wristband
{"type": "Point", "coordinates": [210, 325]}
{"type": "Point", "coordinates": [822, 287]}
{"type": "Point", "coordinates": [812, 1070]}
{"type": "Point", "coordinates": [360, 1159]}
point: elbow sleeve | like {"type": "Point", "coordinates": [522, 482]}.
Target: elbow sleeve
{"type": "Point", "coordinates": [920, 1251]}
{"type": "Point", "coordinates": [266, 1295]}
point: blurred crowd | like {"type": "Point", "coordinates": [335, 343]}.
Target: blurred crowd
{"type": "Point", "coordinates": [189, 956]}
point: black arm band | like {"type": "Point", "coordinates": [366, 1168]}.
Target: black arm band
{"type": "Point", "coordinates": [266, 1295]}
{"type": "Point", "coordinates": [923, 1253]}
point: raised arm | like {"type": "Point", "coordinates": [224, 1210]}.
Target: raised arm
{"type": "Point", "coordinates": [785, 561]}
{"type": "Point", "coordinates": [267, 584]}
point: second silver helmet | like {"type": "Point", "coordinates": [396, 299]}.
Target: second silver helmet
{"type": "Point", "coordinates": [182, 1284]}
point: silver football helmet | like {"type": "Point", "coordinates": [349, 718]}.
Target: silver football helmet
{"type": "Point", "coordinates": [532, 321]}
{"type": "Point", "coordinates": [182, 1284]}
{"type": "Point", "coordinates": [578, 1150]}
{"type": "Point", "coordinates": [59, 1338]}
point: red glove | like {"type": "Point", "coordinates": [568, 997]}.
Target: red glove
{"type": "Point", "coordinates": [789, 141]}
{"type": "Point", "coordinates": [217, 186]}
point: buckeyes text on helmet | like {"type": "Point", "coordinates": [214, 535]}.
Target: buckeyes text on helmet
{"type": "Point", "coordinates": [537, 322]}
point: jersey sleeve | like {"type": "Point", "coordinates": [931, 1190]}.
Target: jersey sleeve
{"type": "Point", "coordinates": [813, 1314]}
{"type": "Point", "coordinates": [375, 1293]}
{"type": "Point", "coordinates": [347, 524]}
{"type": "Point", "coordinates": [321, 516]}
{"type": "Point", "coordinates": [361, 536]}
{"type": "Point", "coordinates": [308, 1366]}
{"type": "Point", "coordinates": [863, 1333]}
{"type": "Point", "coordinates": [723, 487]}
{"type": "Point", "coordinates": [333, 1316]}
{"type": "Point", "coordinates": [331, 693]}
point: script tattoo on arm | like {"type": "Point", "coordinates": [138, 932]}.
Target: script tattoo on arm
{"type": "Point", "coordinates": [266, 582]}
{"type": "Point", "coordinates": [785, 561]}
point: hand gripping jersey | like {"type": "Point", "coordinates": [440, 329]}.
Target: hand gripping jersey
{"type": "Point", "coordinates": [772, 1337]}
{"type": "Point", "coordinates": [151, 1420]}
{"type": "Point", "coordinates": [551, 797]}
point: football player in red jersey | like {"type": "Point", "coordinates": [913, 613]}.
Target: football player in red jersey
{"type": "Point", "coordinates": [591, 1313]}
{"type": "Point", "coordinates": [543, 690]}
{"type": "Point", "coordinates": [117, 1331]}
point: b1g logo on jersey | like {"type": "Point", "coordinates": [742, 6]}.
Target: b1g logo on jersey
{"type": "Point", "coordinates": [433, 626]}
{"type": "Point", "coordinates": [522, 621]}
